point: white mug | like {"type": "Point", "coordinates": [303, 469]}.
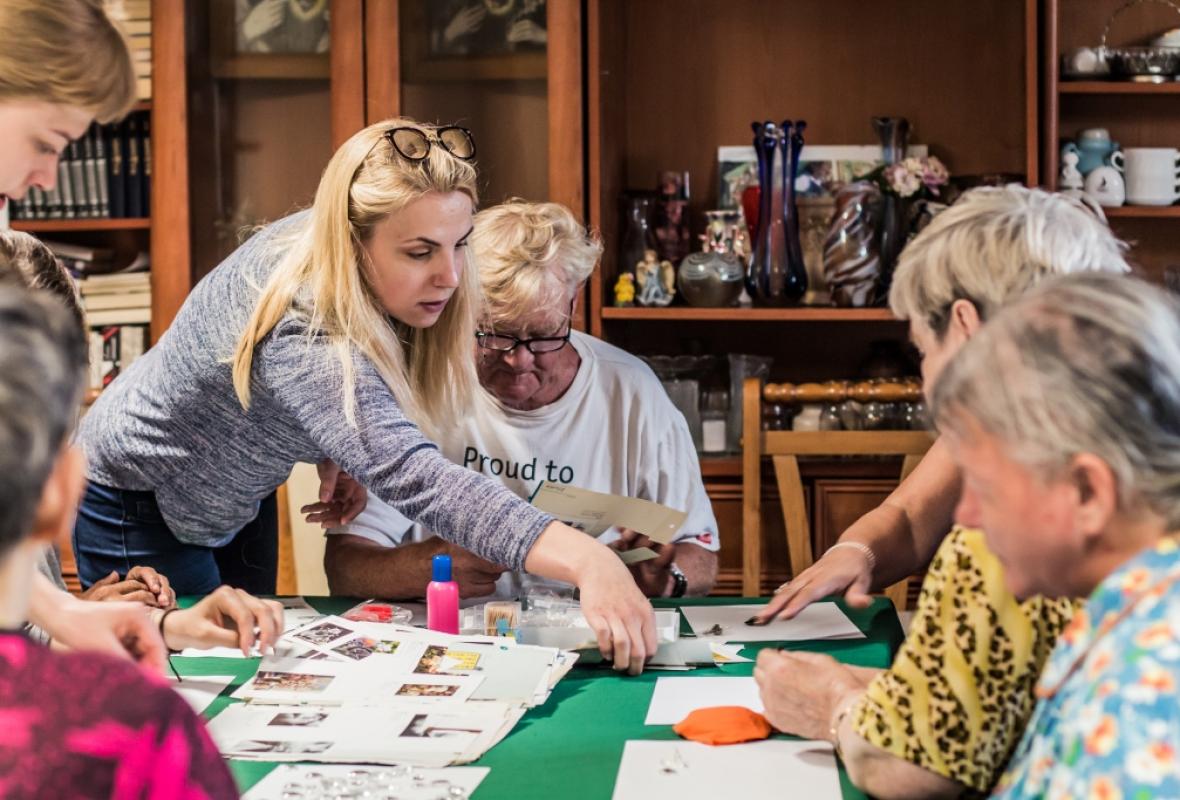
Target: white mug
{"type": "Point", "coordinates": [1152, 174]}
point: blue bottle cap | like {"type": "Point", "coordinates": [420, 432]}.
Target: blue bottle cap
{"type": "Point", "coordinates": [441, 568]}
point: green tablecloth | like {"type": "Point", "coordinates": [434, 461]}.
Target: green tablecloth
{"type": "Point", "coordinates": [571, 746]}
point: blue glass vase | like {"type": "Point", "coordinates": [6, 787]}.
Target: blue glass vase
{"type": "Point", "coordinates": [774, 277]}
{"type": "Point", "coordinates": [895, 134]}
{"type": "Point", "coordinates": [796, 285]}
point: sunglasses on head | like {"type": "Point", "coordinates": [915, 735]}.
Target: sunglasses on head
{"type": "Point", "coordinates": [413, 144]}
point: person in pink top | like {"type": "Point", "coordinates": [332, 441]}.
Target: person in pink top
{"type": "Point", "coordinates": [79, 725]}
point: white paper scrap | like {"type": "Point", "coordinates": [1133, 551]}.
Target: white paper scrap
{"type": "Point", "coordinates": [199, 691]}
{"type": "Point", "coordinates": [817, 621]}
{"type": "Point", "coordinates": [674, 698]}
{"type": "Point", "coordinates": [411, 783]}
{"type": "Point", "coordinates": [693, 771]}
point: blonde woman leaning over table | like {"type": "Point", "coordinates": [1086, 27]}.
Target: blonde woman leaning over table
{"type": "Point", "coordinates": [944, 718]}
{"type": "Point", "coordinates": [338, 332]}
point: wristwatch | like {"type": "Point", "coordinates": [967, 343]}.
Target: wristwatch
{"type": "Point", "coordinates": [679, 582]}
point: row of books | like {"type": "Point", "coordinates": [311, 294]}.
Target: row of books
{"type": "Point", "coordinates": [136, 18]}
{"type": "Point", "coordinates": [112, 349]}
{"type": "Point", "coordinates": [118, 308]}
{"type": "Point", "coordinates": [104, 174]}
{"type": "Point", "coordinates": [117, 299]}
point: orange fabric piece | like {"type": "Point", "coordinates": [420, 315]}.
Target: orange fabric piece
{"type": "Point", "coordinates": [723, 725]}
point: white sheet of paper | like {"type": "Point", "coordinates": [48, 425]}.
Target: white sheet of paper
{"type": "Point", "coordinates": [817, 621]}
{"type": "Point", "coordinates": [693, 771]}
{"type": "Point", "coordinates": [272, 786]}
{"type": "Point", "coordinates": [200, 690]}
{"type": "Point", "coordinates": [674, 698]}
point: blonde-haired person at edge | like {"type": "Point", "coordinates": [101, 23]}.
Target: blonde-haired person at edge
{"type": "Point", "coordinates": [576, 411]}
{"type": "Point", "coordinates": [943, 720]}
{"type": "Point", "coordinates": [337, 332]}
{"type": "Point", "coordinates": [64, 64]}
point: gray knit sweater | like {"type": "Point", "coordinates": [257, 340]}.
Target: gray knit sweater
{"type": "Point", "coordinates": [173, 425]}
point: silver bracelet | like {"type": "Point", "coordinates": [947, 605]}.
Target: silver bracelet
{"type": "Point", "coordinates": [863, 548]}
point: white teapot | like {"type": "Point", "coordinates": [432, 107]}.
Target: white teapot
{"type": "Point", "coordinates": [1105, 186]}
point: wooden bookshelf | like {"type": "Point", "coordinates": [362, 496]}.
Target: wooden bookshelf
{"type": "Point", "coordinates": [1143, 212]}
{"type": "Point", "coordinates": [797, 314]}
{"type": "Point", "coordinates": [1117, 87]}
{"type": "Point", "coordinates": [74, 225]}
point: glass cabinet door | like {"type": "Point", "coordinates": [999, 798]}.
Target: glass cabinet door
{"type": "Point", "coordinates": [483, 64]}
{"type": "Point", "coordinates": [260, 115]}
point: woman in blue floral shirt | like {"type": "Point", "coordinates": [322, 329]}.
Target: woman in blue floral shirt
{"type": "Point", "coordinates": [1064, 414]}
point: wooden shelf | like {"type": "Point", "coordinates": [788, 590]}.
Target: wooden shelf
{"type": "Point", "coordinates": [1117, 87]}
{"type": "Point", "coordinates": [1143, 212]}
{"type": "Point", "coordinates": [720, 466]}
{"type": "Point", "coordinates": [143, 105]}
{"type": "Point", "coordinates": [796, 314]}
{"type": "Point", "coordinates": [55, 225]}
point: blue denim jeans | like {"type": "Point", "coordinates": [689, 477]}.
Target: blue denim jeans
{"type": "Point", "coordinates": [118, 529]}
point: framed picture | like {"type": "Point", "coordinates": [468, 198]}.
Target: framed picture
{"type": "Point", "coordinates": [270, 38]}
{"type": "Point", "coordinates": [448, 40]}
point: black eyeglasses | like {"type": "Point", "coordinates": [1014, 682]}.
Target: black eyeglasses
{"type": "Point", "coordinates": [506, 343]}
{"type": "Point", "coordinates": [413, 144]}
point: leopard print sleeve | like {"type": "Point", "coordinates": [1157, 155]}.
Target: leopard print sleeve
{"type": "Point", "coordinates": [960, 690]}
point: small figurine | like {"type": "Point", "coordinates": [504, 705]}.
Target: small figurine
{"type": "Point", "coordinates": [1105, 186]}
{"type": "Point", "coordinates": [1069, 181]}
{"type": "Point", "coordinates": [625, 290]}
{"type": "Point", "coordinates": [656, 280]}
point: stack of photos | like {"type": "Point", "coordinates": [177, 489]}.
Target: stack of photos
{"type": "Point", "coordinates": [340, 690]}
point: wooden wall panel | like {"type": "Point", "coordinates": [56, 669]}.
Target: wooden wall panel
{"type": "Point", "coordinates": [347, 69]}
{"type": "Point", "coordinates": [702, 71]}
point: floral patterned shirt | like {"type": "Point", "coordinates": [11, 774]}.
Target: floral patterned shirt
{"type": "Point", "coordinates": [1107, 726]}
{"type": "Point", "coordinates": [81, 725]}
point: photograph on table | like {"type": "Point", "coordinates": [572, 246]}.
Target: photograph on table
{"type": "Point", "coordinates": [267, 681]}
{"type": "Point", "coordinates": [426, 690]}
{"type": "Point", "coordinates": [300, 748]}
{"type": "Point", "coordinates": [323, 634]}
{"type": "Point", "coordinates": [362, 647]}
{"type": "Point", "coordinates": [441, 660]}
{"type": "Point", "coordinates": [421, 727]}
{"type": "Point", "coordinates": [299, 719]}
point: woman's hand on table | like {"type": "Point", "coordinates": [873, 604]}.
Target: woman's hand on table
{"type": "Point", "coordinates": [226, 618]}
{"type": "Point", "coordinates": [142, 585]}
{"type": "Point", "coordinates": [341, 497]}
{"type": "Point", "coordinates": [618, 613]}
{"type": "Point", "coordinates": [842, 569]}
{"type": "Point", "coordinates": [802, 691]}
{"type": "Point", "coordinates": [119, 629]}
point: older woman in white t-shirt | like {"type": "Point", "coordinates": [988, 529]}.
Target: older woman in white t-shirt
{"type": "Point", "coordinates": [572, 410]}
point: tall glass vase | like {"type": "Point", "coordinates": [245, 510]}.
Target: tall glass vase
{"type": "Point", "coordinates": [895, 135]}
{"type": "Point", "coordinates": [766, 279]}
{"type": "Point", "coordinates": [796, 277]}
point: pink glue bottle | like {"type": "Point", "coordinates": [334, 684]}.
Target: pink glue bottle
{"type": "Point", "coordinates": [442, 598]}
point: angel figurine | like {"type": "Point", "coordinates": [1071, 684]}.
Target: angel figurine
{"type": "Point", "coordinates": [656, 280]}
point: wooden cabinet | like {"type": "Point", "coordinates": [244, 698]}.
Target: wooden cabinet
{"type": "Point", "coordinates": [1136, 114]}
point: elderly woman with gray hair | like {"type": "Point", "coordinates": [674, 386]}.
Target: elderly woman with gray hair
{"type": "Point", "coordinates": [1064, 417]}
{"type": "Point", "coordinates": [943, 720]}
{"type": "Point", "coordinates": [566, 408]}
